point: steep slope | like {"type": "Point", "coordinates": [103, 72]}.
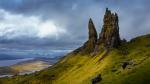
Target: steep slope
{"type": "Point", "coordinates": [117, 62]}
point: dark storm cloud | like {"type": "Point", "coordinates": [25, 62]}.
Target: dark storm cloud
{"type": "Point", "coordinates": [35, 43]}
{"type": "Point", "coordinates": [63, 12]}
{"type": "Point", "coordinates": [74, 14]}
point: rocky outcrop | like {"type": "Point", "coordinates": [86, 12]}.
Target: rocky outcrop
{"type": "Point", "coordinates": [89, 45]}
{"type": "Point", "coordinates": [109, 35]}
{"type": "Point", "coordinates": [108, 38]}
{"type": "Point", "coordinates": [97, 79]}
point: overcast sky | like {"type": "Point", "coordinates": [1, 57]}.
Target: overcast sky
{"type": "Point", "coordinates": [61, 25]}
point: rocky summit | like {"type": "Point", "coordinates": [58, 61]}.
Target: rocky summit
{"type": "Point", "coordinates": [110, 30]}
{"type": "Point", "coordinates": [108, 38]}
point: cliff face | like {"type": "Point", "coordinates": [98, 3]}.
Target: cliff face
{"type": "Point", "coordinates": [109, 36]}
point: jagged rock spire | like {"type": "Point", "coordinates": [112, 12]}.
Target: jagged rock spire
{"type": "Point", "coordinates": [109, 35]}
{"type": "Point", "coordinates": [89, 45]}
{"type": "Point", "coordinates": [92, 30]}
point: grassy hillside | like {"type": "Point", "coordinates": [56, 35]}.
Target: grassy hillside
{"type": "Point", "coordinates": [31, 65]}
{"type": "Point", "coordinates": [79, 69]}
{"type": "Point", "coordinates": [28, 66]}
{"type": "Point", "coordinates": [7, 70]}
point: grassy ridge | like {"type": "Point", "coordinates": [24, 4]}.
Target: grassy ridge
{"type": "Point", "coordinates": [79, 69]}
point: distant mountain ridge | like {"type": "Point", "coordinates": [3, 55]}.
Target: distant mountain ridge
{"type": "Point", "coordinates": [8, 57]}
{"type": "Point", "coordinates": [35, 64]}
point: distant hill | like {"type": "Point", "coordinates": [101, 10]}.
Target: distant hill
{"type": "Point", "coordinates": [103, 60]}
{"type": "Point", "coordinates": [8, 57]}
{"type": "Point", "coordinates": [28, 66]}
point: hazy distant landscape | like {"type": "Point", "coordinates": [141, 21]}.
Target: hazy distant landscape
{"type": "Point", "coordinates": [13, 61]}
{"type": "Point", "coordinates": [25, 66]}
{"type": "Point", "coordinates": [27, 61]}
{"type": "Point", "coordinates": [13, 57]}
{"type": "Point", "coordinates": [20, 62]}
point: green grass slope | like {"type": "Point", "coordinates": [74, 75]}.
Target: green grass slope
{"type": "Point", "coordinates": [79, 69]}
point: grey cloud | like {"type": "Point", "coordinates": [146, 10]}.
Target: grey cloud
{"type": "Point", "coordinates": [74, 14]}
